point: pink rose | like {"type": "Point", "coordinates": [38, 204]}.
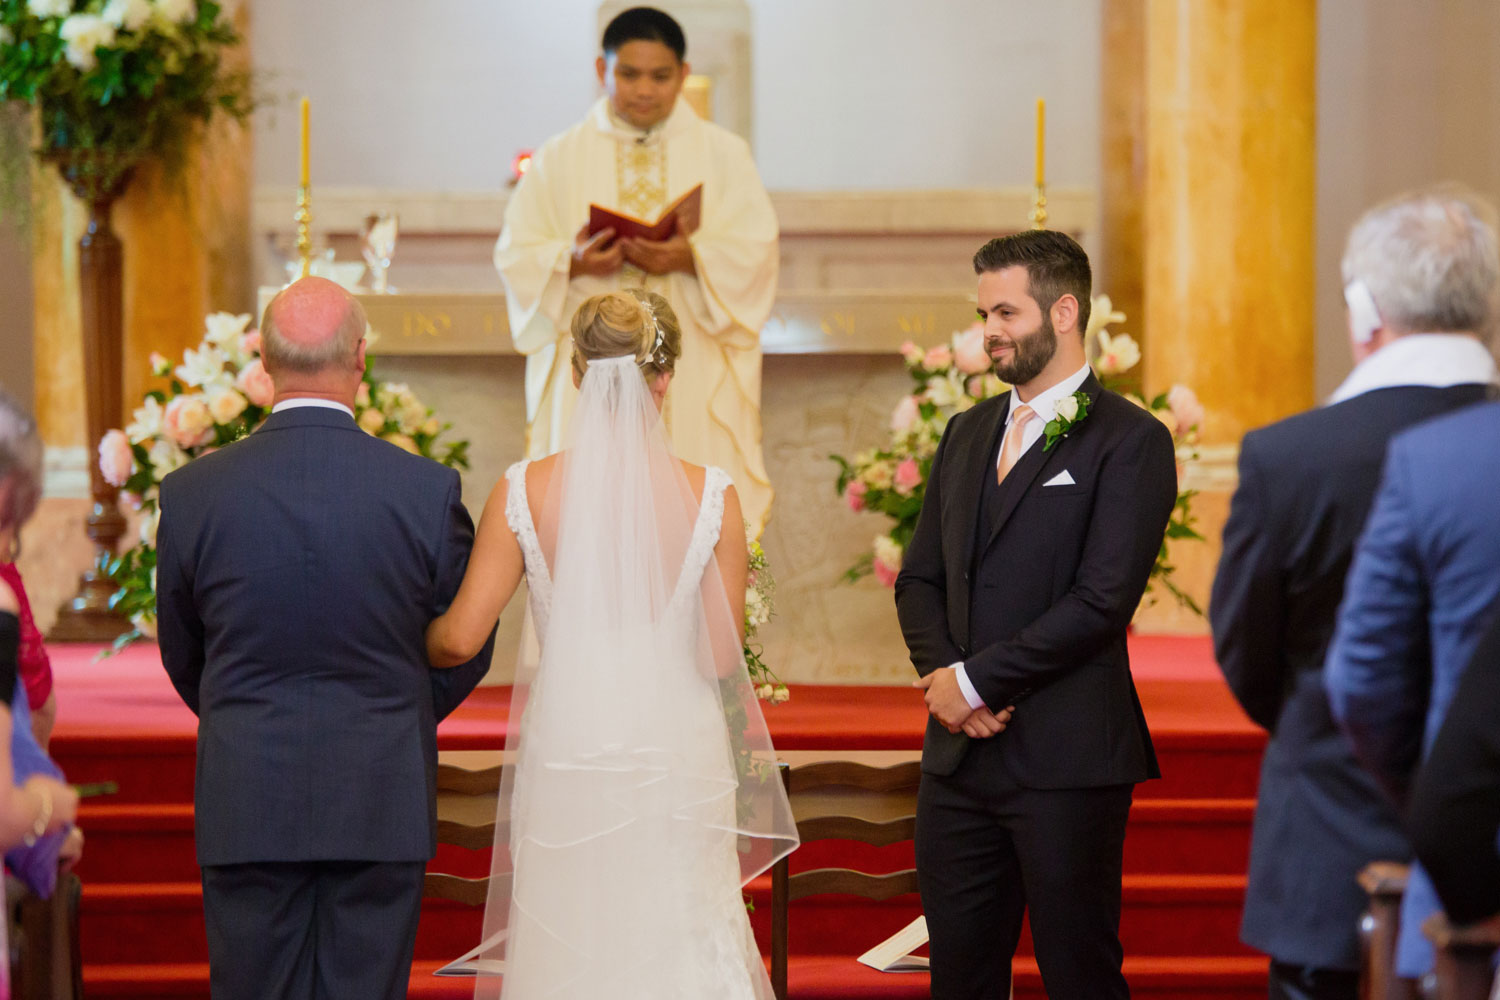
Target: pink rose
{"type": "Point", "coordinates": [855, 494]}
{"type": "Point", "coordinates": [970, 355]}
{"type": "Point", "coordinates": [188, 422]}
{"type": "Point", "coordinates": [1183, 402]}
{"type": "Point", "coordinates": [115, 458]}
{"type": "Point", "coordinates": [975, 385]}
{"type": "Point", "coordinates": [937, 358]}
{"type": "Point", "coordinates": [905, 415]}
{"type": "Point", "coordinates": [887, 561]}
{"type": "Point", "coordinates": [908, 476]}
{"type": "Point", "coordinates": [255, 382]}
{"type": "Point", "coordinates": [911, 353]}
{"type": "Point", "coordinates": [250, 342]}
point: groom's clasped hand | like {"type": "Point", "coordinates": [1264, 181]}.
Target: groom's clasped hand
{"type": "Point", "coordinates": [946, 702]}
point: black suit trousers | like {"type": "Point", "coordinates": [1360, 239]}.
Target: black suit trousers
{"type": "Point", "coordinates": [315, 930]}
{"type": "Point", "coordinates": [988, 850]}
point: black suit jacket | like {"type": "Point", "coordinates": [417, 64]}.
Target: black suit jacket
{"type": "Point", "coordinates": [1041, 609]}
{"type": "Point", "coordinates": [1454, 816]}
{"type": "Point", "coordinates": [1306, 486]}
{"type": "Point", "coordinates": [297, 572]}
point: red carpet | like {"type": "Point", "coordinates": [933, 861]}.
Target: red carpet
{"type": "Point", "coordinates": [120, 720]}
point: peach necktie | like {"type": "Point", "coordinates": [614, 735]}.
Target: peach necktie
{"type": "Point", "coordinates": [1010, 451]}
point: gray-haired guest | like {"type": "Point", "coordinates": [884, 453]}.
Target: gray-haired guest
{"type": "Point", "coordinates": [1416, 273]}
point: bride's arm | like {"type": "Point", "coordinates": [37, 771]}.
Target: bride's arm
{"type": "Point", "coordinates": [733, 556]}
{"type": "Point", "coordinates": [495, 569]}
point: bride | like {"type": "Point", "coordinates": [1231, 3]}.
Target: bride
{"type": "Point", "coordinates": [642, 793]}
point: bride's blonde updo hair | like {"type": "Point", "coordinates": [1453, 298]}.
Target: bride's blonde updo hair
{"type": "Point", "coordinates": [633, 322]}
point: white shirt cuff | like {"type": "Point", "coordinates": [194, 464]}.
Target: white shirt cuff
{"type": "Point", "coordinates": [970, 695]}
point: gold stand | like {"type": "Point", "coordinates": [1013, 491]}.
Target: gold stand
{"type": "Point", "coordinates": [304, 229]}
{"type": "Point", "coordinates": [1038, 214]}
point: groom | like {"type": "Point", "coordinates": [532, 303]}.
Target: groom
{"type": "Point", "coordinates": [1044, 512]}
{"type": "Point", "coordinates": [297, 571]}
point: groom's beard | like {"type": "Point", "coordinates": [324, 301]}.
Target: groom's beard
{"type": "Point", "coordinates": [1032, 353]}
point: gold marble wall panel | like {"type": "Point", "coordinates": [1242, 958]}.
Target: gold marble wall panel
{"type": "Point", "coordinates": [57, 222]}
{"type": "Point", "coordinates": [1230, 214]}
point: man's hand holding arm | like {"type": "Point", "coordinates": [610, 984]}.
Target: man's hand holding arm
{"type": "Point", "coordinates": [451, 685]}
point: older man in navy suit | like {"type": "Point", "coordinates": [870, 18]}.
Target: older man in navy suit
{"type": "Point", "coordinates": [1425, 574]}
{"type": "Point", "coordinates": [1291, 534]}
{"type": "Point", "coordinates": [297, 571]}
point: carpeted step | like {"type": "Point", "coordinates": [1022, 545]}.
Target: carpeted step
{"type": "Point", "coordinates": [155, 769]}
{"type": "Point", "coordinates": [1162, 915]}
{"type": "Point", "coordinates": [137, 842]}
{"type": "Point", "coordinates": [812, 977]}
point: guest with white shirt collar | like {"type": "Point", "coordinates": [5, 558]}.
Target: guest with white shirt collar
{"type": "Point", "coordinates": [1418, 273]}
{"type": "Point", "coordinates": [297, 571]}
{"type": "Point", "coordinates": [1044, 511]}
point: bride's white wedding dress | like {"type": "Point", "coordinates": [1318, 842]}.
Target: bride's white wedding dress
{"type": "Point", "coordinates": [643, 794]}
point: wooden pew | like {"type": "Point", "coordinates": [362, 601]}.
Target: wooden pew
{"type": "Point", "coordinates": [1384, 882]}
{"type": "Point", "coordinates": [1465, 967]}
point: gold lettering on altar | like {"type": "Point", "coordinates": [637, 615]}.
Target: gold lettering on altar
{"type": "Point", "coordinates": [839, 324]}
{"type": "Point", "coordinates": [418, 324]}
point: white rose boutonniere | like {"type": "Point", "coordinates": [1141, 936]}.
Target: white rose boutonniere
{"type": "Point", "coordinates": [1071, 411]}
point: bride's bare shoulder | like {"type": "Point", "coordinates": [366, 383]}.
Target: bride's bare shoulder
{"type": "Point", "coordinates": [696, 475]}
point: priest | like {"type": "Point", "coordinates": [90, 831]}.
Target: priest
{"type": "Point", "coordinates": [637, 152]}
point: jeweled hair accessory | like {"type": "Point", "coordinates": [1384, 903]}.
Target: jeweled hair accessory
{"type": "Point", "coordinates": [658, 344]}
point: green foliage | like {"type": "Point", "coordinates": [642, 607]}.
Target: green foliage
{"type": "Point", "coordinates": [138, 94]}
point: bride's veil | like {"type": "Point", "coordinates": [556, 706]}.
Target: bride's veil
{"type": "Point", "coordinates": [641, 781]}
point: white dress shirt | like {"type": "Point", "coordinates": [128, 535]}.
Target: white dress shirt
{"type": "Point", "coordinates": [327, 404]}
{"type": "Point", "coordinates": [1044, 405]}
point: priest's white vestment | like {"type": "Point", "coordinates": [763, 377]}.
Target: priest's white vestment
{"type": "Point", "coordinates": [712, 411]}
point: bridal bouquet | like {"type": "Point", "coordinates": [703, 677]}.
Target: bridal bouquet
{"type": "Point", "coordinates": [218, 394]}
{"type": "Point", "coordinates": [758, 609]}
{"type": "Point", "coordinates": [953, 377]}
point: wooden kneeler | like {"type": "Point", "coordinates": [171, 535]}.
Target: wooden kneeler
{"type": "Point", "coordinates": [44, 941]}
{"type": "Point", "coordinates": [468, 791]}
{"type": "Point", "coordinates": [843, 800]}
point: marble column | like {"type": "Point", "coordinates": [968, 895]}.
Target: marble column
{"type": "Point", "coordinates": [1229, 215]}
{"type": "Point", "coordinates": [1216, 187]}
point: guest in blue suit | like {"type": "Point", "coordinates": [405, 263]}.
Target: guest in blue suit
{"type": "Point", "coordinates": [297, 571]}
{"type": "Point", "coordinates": [1425, 574]}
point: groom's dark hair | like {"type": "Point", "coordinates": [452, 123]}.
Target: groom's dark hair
{"type": "Point", "coordinates": [1055, 266]}
{"type": "Point", "coordinates": [645, 24]}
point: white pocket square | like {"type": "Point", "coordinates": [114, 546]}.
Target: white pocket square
{"type": "Point", "coordinates": [1061, 479]}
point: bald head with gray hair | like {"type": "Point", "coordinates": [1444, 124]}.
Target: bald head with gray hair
{"type": "Point", "coordinates": [1430, 260]}
{"type": "Point", "coordinates": [20, 465]}
{"type": "Point", "coordinates": [310, 326]}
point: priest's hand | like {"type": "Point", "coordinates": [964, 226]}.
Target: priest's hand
{"type": "Point", "coordinates": [661, 257]}
{"type": "Point", "coordinates": [600, 255]}
{"type": "Point", "coordinates": [945, 699]}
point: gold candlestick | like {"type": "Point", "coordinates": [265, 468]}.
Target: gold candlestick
{"type": "Point", "coordinates": [304, 230]}
{"type": "Point", "coordinates": [1038, 213]}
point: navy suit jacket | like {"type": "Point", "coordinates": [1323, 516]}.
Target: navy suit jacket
{"type": "Point", "coordinates": [1306, 487]}
{"type": "Point", "coordinates": [1040, 607]}
{"type": "Point", "coordinates": [1424, 577]}
{"type": "Point", "coordinates": [297, 572]}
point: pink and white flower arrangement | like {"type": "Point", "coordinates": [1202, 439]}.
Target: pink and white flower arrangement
{"type": "Point", "coordinates": [219, 393]}
{"type": "Point", "coordinates": [951, 378]}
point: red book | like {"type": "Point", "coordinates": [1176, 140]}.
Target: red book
{"type": "Point", "coordinates": [682, 215]}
